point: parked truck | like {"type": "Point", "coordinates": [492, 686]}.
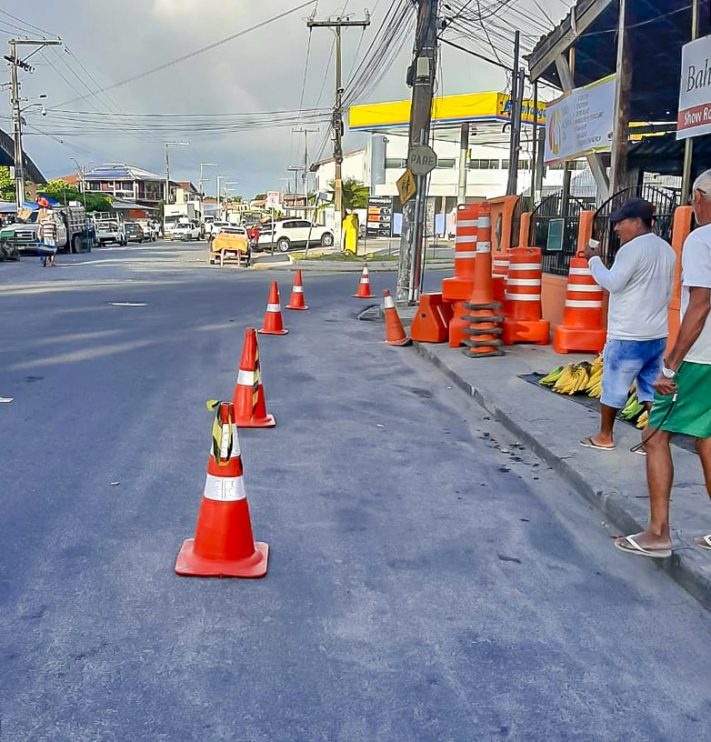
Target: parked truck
{"type": "Point", "coordinates": [71, 229]}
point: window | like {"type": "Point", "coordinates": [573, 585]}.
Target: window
{"type": "Point", "coordinates": [395, 163]}
{"type": "Point", "coordinates": [446, 163]}
{"type": "Point", "coordinates": [483, 164]}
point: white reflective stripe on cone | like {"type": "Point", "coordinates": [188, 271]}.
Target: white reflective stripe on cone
{"type": "Point", "coordinates": [365, 279]}
{"type": "Point", "coordinates": [484, 222]}
{"type": "Point", "coordinates": [501, 263]}
{"type": "Point", "coordinates": [461, 254]}
{"type": "Point", "coordinates": [584, 287]}
{"type": "Point", "coordinates": [575, 304]}
{"type": "Point", "coordinates": [224, 489]}
{"type": "Point", "coordinates": [467, 223]}
{"type": "Point", "coordinates": [522, 297]}
{"type": "Point", "coordinates": [224, 443]}
{"type": "Point", "coordinates": [523, 282]}
{"type": "Point", "coordinates": [245, 378]}
{"type": "Point", "coordinates": [462, 238]}
{"type": "Point", "coordinates": [273, 307]}
{"type": "Point", "coordinates": [524, 266]}
{"type": "Point", "coordinates": [388, 302]}
{"type": "Point", "coordinates": [580, 272]}
{"type": "Point", "coordinates": [298, 289]}
{"type": "Point", "coordinates": [483, 246]}
{"type": "Point", "coordinates": [365, 270]}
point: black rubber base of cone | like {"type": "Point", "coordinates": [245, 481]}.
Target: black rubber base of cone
{"type": "Point", "coordinates": [472, 307]}
{"type": "Point", "coordinates": [483, 331]}
{"type": "Point", "coordinates": [470, 353]}
{"type": "Point", "coordinates": [483, 343]}
{"type": "Point", "coordinates": [496, 319]}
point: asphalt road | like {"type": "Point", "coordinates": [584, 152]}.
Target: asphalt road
{"type": "Point", "coordinates": [429, 579]}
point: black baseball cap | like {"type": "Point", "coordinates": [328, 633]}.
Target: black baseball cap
{"type": "Point", "coordinates": [634, 208]}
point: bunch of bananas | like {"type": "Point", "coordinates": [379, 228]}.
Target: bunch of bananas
{"type": "Point", "coordinates": [633, 409]}
{"type": "Point", "coordinates": [576, 377]}
{"type": "Point", "coordinates": [594, 387]}
{"type": "Point", "coordinates": [643, 420]}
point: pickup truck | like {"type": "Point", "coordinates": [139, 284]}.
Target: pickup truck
{"type": "Point", "coordinates": [71, 225]}
{"type": "Point", "coordinates": [186, 231]}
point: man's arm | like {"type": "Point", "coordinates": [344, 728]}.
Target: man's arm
{"type": "Point", "coordinates": [616, 278]}
{"type": "Point", "coordinates": [693, 323]}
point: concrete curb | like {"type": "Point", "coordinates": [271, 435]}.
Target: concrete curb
{"type": "Point", "coordinates": [357, 267]}
{"type": "Point", "coordinates": [683, 566]}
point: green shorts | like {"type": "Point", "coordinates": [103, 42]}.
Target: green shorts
{"type": "Point", "coordinates": [691, 413]}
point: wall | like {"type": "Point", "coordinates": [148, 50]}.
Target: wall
{"type": "Point", "coordinates": [553, 297]}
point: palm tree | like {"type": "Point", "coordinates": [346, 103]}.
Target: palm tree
{"type": "Point", "coordinates": [355, 194]}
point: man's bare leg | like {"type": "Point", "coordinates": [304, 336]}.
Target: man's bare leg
{"type": "Point", "coordinates": [607, 423]}
{"type": "Point", "coordinates": [703, 448]}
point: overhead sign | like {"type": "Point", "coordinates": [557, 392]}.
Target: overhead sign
{"type": "Point", "coordinates": [581, 122]}
{"type": "Point", "coordinates": [273, 200]}
{"type": "Point", "coordinates": [422, 159]}
{"type": "Point", "coordinates": [406, 186]}
{"type": "Point", "coordinates": [694, 117]}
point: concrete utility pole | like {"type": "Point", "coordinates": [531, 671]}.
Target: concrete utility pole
{"type": "Point", "coordinates": [462, 179]}
{"type": "Point", "coordinates": [202, 180]}
{"type": "Point", "coordinates": [337, 24]}
{"type": "Point", "coordinates": [305, 132]}
{"type": "Point", "coordinates": [167, 166]}
{"type": "Point", "coordinates": [422, 77]}
{"type": "Point", "coordinates": [517, 78]}
{"type": "Point", "coordinates": [621, 124]}
{"type": "Point", "coordinates": [15, 62]}
{"type": "Point", "coordinates": [689, 141]}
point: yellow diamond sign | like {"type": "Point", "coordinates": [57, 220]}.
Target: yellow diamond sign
{"type": "Point", "coordinates": [406, 187]}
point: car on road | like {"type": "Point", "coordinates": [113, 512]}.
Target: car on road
{"type": "Point", "coordinates": [291, 233]}
{"type": "Point", "coordinates": [110, 231]}
{"type": "Point", "coordinates": [186, 231]}
{"type": "Point", "coordinates": [230, 242]}
{"type": "Point", "coordinates": [135, 233]}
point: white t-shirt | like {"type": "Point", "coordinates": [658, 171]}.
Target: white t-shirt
{"type": "Point", "coordinates": [640, 284]}
{"type": "Point", "coordinates": [696, 271]}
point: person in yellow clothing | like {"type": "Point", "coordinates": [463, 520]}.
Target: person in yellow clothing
{"type": "Point", "coordinates": [682, 402]}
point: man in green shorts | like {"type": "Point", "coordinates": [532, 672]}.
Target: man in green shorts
{"type": "Point", "coordinates": [682, 403]}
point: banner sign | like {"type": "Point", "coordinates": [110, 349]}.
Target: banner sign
{"type": "Point", "coordinates": [380, 216]}
{"type": "Point", "coordinates": [694, 117]}
{"type": "Point", "coordinates": [580, 122]}
{"type": "Point", "coordinates": [273, 200]}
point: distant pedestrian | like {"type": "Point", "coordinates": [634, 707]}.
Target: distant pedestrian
{"type": "Point", "coordinates": [47, 234]}
{"type": "Point", "coordinates": [640, 284]}
{"type": "Point", "coordinates": [682, 403]}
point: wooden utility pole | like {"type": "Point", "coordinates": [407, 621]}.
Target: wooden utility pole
{"type": "Point", "coordinates": [421, 76]}
{"type": "Point", "coordinates": [689, 141]}
{"type": "Point", "coordinates": [516, 101]}
{"type": "Point", "coordinates": [620, 131]}
{"type": "Point", "coordinates": [337, 24]}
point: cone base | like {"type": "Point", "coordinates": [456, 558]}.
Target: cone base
{"type": "Point", "coordinates": [190, 564]}
{"type": "Point", "coordinates": [272, 332]}
{"type": "Point", "coordinates": [262, 422]}
{"type": "Point", "coordinates": [360, 296]}
{"type": "Point", "coordinates": [574, 339]}
{"type": "Point", "coordinates": [535, 331]}
{"type": "Point", "coordinates": [404, 341]}
{"type": "Point", "coordinates": [298, 309]}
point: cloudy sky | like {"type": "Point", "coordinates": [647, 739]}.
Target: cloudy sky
{"type": "Point", "coordinates": [109, 42]}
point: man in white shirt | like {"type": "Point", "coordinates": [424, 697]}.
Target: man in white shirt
{"type": "Point", "coordinates": [682, 403]}
{"type": "Point", "coordinates": [640, 285]}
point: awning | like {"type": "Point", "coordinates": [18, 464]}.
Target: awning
{"type": "Point", "coordinates": [665, 155]}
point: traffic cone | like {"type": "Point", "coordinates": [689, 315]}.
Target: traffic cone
{"type": "Point", "coordinates": [394, 332]}
{"type": "Point", "coordinates": [524, 321]}
{"type": "Point", "coordinates": [273, 323]}
{"type": "Point", "coordinates": [223, 545]}
{"type": "Point", "coordinates": [249, 402]}
{"type": "Point", "coordinates": [364, 285]}
{"type": "Point", "coordinates": [297, 294]}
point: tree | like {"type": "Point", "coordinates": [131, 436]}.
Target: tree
{"type": "Point", "coordinates": [355, 194]}
{"type": "Point", "coordinates": [7, 185]}
{"type": "Point", "coordinates": [64, 193]}
{"type": "Point", "coordinates": [260, 197]}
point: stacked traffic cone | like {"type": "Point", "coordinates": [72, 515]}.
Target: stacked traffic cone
{"type": "Point", "coordinates": [223, 545]}
{"type": "Point", "coordinates": [364, 285]}
{"type": "Point", "coordinates": [394, 332]}
{"type": "Point", "coordinates": [297, 300]}
{"type": "Point", "coordinates": [273, 323]}
{"type": "Point", "coordinates": [250, 405]}
{"type": "Point", "coordinates": [524, 321]}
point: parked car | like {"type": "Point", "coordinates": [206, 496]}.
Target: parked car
{"type": "Point", "coordinates": [291, 233]}
{"type": "Point", "coordinates": [186, 231]}
{"type": "Point", "coordinates": [110, 231]}
{"type": "Point", "coordinates": [134, 232]}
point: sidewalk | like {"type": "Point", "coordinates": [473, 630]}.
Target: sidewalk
{"type": "Point", "coordinates": [551, 426]}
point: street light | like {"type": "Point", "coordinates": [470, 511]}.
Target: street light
{"type": "Point", "coordinates": [167, 165]}
{"type": "Point", "coordinates": [200, 182]}
{"type": "Point", "coordinates": [81, 173]}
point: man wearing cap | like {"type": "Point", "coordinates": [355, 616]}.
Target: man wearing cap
{"type": "Point", "coordinates": [640, 285]}
{"type": "Point", "coordinates": [683, 400]}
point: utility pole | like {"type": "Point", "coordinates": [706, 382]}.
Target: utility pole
{"type": "Point", "coordinates": [421, 75]}
{"type": "Point", "coordinates": [305, 132]}
{"type": "Point", "coordinates": [517, 79]}
{"type": "Point", "coordinates": [337, 119]}
{"type": "Point", "coordinates": [167, 166]}
{"type": "Point", "coordinates": [15, 62]}
{"type": "Point", "coordinates": [202, 180]}
{"type": "Point", "coordinates": [296, 169]}
{"type": "Point", "coordinates": [689, 141]}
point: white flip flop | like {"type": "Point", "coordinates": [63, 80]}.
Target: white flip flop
{"type": "Point", "coordinates": [707, 542]}
{"type": "Point", "coordinates": [635, 548]}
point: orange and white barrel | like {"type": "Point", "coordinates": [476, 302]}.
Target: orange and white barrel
{"type": "Point", "coordinates": [523, 307]}
{"type": "Point", "coordinates": [465, 241]}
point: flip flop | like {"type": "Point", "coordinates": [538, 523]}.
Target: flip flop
{"type": "Point", "coordinates": [590, 443]}
{"type": "Point", "coordinates": [632, 547]}
{"type": "Point", "coordinates": [706, 542]}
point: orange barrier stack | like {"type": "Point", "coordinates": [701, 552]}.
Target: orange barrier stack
{"type": "Point", "coordinates": [523, 311]}
{"type": "Point", "coordinates": [364, 285]}
{"type": "Point", "coordinates": [394, 331]}
{"type": "Point", "coordinates": [250, 405]}
{"type": "Point", "coordinates": [499, 270]}
{"type": "Point", "coordinates": [458, 288]}
{"type": "Point", "coordinates": [273, 323]}
{"type": "Point", "coordinates": [583, 328]}
{"type": "Point", "coordinates": [430, 323]}
{"type": "Point", "coordinates": [297, 300]}
{"type": "Point", "coordinates": [223, 545]}
{"type": "Point", "coordinates": [484, 322]}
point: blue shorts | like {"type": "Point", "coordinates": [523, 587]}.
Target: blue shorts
{"type": "Point", "coordinates": [627, 360]}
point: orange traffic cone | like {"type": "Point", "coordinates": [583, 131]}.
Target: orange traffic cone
{"type": "Point", "coordinates": [394, 332]}
{"type": "Point", "coordinates": [297, 294]}
{"type": "Point", "coordinates": [364, 285]}
{"type": "Point", "coordinates": [223, 545]}
{"type": "Point", "coordinates": [249, 402]}
{"type": "Point", "coordinates": [273, 323]}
